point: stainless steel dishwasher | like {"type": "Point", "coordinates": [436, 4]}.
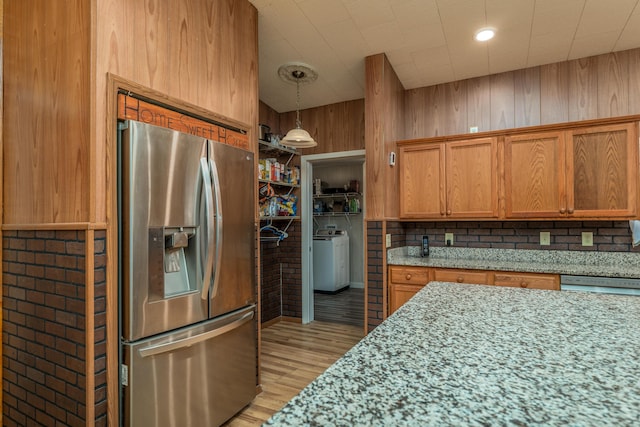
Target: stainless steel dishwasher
{"type": "Point", "coordinates": [601, 285]}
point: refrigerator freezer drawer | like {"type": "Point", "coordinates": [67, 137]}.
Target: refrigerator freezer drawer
{"type": "Point", "coordinates": [197, 376]}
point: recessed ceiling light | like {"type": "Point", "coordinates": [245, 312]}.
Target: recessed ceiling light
{"type": "Point", "coordinates": [485, 34]}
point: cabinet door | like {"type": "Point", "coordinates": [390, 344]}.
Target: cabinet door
{"type": "Point", "coordinates": [422, 181]}
{"type": "Point", "coordinates": [534, 175]}
{"type": "Point", "coordinates": [472, 178]}
{"type": "Point", "coordinates": [603, 171]}
{"type": "Point", "coordinates": [401, 293]}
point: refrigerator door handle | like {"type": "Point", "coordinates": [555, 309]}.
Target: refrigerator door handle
{"type": "Point", "coordinates": [218, 215]}
{"type": "Point", "coordinates": [208, 264]}
{"type": "Point", "coordinates": [188, 342]}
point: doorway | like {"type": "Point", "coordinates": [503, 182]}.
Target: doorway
{"type": "Point", "coordinates": [337, 203]}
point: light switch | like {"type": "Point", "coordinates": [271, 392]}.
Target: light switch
{"type": "Point", "coordinates": [545, 238]}
{"type": "Point", "coordinates": [388, 241]}
{"type": "Point", "coordinates": [587, 238]}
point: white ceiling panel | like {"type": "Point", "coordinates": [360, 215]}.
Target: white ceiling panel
{"type": "Point", "coordinates": [416, 13]}
{"type": "Point", "coordinates": [591, 44]}
{"type": "Point", "coordinates": [510, 13]}
{"type": "Point", "coordinates": [380, 38]}
{"type": "Point", "coordinates": [549, 47]}
{"type": "Point", "coordinates": [345, 39]}
{"type": "Point", "coordinates": [323, 13]}
{"type": "Point", "coordinates": [553, 16]}
{"type": "Point", "coordinates": [436, 56]}
{"type": "Point", "coordinates": [631, 33]}
{"type": "Point", "coordinates": [616, 12]}
{"type": "Point", "coordinates": [369, 13]}
{"type": "Point", "coordinates": [428, 41]}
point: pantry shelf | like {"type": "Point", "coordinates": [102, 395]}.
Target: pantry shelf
{"type": "Point", "coordinates": [280, 183]}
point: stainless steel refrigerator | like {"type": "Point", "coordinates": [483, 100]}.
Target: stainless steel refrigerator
{"type": "Point", "coordinates": [187, 278]}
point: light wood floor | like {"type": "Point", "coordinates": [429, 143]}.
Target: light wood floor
{"type": "Point", "coordinates": [345, 307]}
{"type": "Point", "coordinates": [292, 356]}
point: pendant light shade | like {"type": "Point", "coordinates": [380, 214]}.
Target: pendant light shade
{"type": "Point", "coordinates": [298, 73]}
{"type": "Point", "coordinates": [298, 138]}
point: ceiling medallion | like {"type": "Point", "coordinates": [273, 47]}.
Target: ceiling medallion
{"type": "Point", "coordinates": [298, 73]}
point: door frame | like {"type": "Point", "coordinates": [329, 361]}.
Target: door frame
{"type": "Point", "coordinates": [306, 175]}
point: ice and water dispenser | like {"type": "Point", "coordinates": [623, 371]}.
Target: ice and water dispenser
{"type": "Point", "coordinates": [173, 261]}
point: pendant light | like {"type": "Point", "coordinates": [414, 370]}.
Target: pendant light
{"type": "Point", "coordinates": [298, 73]}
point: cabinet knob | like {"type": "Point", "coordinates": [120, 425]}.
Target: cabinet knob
{"type": "Point", "coordinates": [562, 210]}
{"type": "Point", "coordinates": [460, 279]}
{"type": "Point", "coordinates": [448, 211]}
{"type": "Point", "coordinates": [570, 210]}
{"type": "Point", "coordinates": [408, 276]}
{"type": "Point", "coordinates": [523, 284]}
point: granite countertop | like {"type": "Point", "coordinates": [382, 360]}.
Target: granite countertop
{"type": "Point", "coordinates": [460, 354]}
{"type": "Point", "coordinates": [583, 263]}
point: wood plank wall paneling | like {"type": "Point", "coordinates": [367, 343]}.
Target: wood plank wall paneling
{"type": "Point", "coordinates": [613, 84]}
{"type": "Point", "coordinates": [46, 112]}
{"type": "Point", "coordinates": [502, 106]}
{"type": "Point", "coordinates": [478, 98]}
{"type": "Point", "coordinates": [193, 57]}
{"type": "Point", "coordinates": [203, 53]}
{"type": "Point", "coordinates": [384, 110]}
{"type": "Point", "coordinates": [374, 136]}
{"type": "Point", "coordinates": [554, 93]}
{"type": "Point", "coordinates": [336, 127]}
{"type": "Point", "coordinates": [634, 80]}
{"type": "Point", "coordinates": [583, 89]}
{"type": "Point", "coordinates": [597, 87]}
{"type": "Point", "coordinates": [527, 97]}
{"type": "Point", "coordinates": [393, 130]}
{"type": "Point", "coordinates": [270, 117]}
{"type": "Point", "coordinates": [455, 95]}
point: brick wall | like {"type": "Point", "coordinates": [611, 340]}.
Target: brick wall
{"type": "Point", "coordinates": [44, 336]}
{"type": "Point", "coordinates": [100, 327]}
{"type": "Point", "coordinates": [375, 274]}
{"type": "Point", "coordinates": [398, 234]}
{"type": "Point", "coordinates": [271, 292]}
{"type": "Point", "coordinates": [281, 276]}
{"type": "Point", "coordinates": [608, 236]}
{"type": "Point", "coordinates": [290, 255]}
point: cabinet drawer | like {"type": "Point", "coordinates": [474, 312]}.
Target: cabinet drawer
{"type": "Point", "coordinates": [526, 280]}
{"type": "Point", "coordinates": [461, 276]}
{"type": "Point", "coordinates": [409, 275]}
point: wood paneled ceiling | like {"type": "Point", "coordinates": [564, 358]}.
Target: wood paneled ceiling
{"type": "Point", "coordinates": [428, 41]}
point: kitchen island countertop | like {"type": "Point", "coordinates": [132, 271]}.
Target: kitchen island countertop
{"type": "Point", "coordinates": [482, 355]}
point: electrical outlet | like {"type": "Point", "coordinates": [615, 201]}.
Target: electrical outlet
{"type": "Point", "coordinates": [448, 239]}
{"type": "Point", "coordinates": [545, 238]}
{"type": "Point", "coordinates": [587, 238]}
{"type": "Point", "coordinates": [473, 129]}
{"type": "Point", "coordinates": [388, 240]}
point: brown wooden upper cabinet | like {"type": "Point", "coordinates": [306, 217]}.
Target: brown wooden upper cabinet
{"type": "Point", "coordinates": [588, 172]}
{"type": "Point", "coordinates": [449, 180]}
